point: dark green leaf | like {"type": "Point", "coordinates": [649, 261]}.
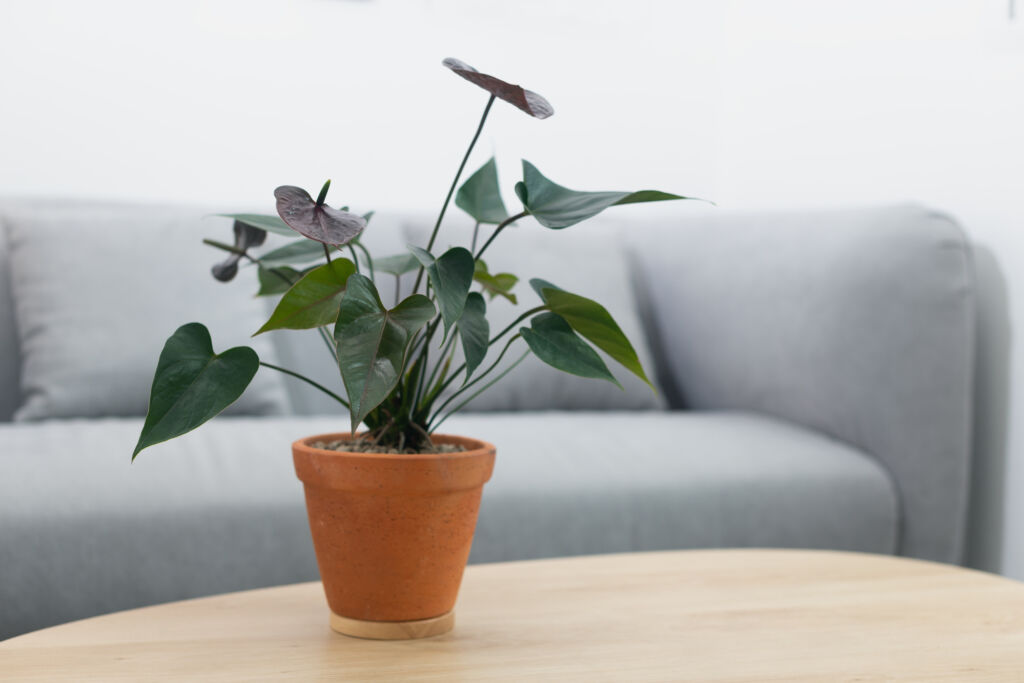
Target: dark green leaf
{"type": "Point", "coordinates": [396, 265]}
{"type": "Point", "coordinates": [264, 222]}
{"type": "Point", "coordinates": [593, 322]}
{"type": "Point", "coordinates": [552, 340]}
{"type": "Point", "coordinates": [480, 197]}
{"type": "Point", "coordinates": [474, 331]}
{"type": "Point", "coordinates": [193, 384]}
{"type": "Point", "coordinates": [556, 207]}
{"type": "Point", "coordinates": [497, 284]}
{"type": "Point", "coordinates": [451, 276]}
{"type": "Point", "coordinates": [312, 301]}
{"type": "Point", "coordinates": [372, 343]}
{"type": "Point", "coordinates": [293, 253]}
{"type": "Point", "coordinates": [277, 280]}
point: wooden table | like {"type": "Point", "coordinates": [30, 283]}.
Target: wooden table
{"type": "Point", "coordinates": [726, 615]}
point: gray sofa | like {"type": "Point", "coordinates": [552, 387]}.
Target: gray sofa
{"type": "Point", "coordinates": [815, 372]}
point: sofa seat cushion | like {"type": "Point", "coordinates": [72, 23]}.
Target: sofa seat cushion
{"type": "Point", "coordinates": [575, 484]}
{"type": "Point", "coordinates": [83, 531]}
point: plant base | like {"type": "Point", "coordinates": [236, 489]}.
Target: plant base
{"type": "Point", "coordinates": [393, 630]}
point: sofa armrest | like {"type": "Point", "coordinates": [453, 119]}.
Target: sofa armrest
{"type": "Point", "coordinates": [856, 323]}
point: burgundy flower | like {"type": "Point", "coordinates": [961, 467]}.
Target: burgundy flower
{"type": "Point", "coordinates": [245, 236]}
{"type": "Point", "coordinates": [316, 220]}
{"type": "Point", "coordinates": [530, 102]}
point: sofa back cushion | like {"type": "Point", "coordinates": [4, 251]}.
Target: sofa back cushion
{"type": "Point", "coordinates": [98, 288]}
{"type": "Point", "coordinates": [9, 364]}
{"type": "Point", "coordinates": [858, 323]}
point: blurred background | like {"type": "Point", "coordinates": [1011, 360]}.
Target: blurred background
{"type": "Point", "coordinates": [790, 103]}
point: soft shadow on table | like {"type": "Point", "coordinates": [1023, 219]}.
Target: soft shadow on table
{"type": "Point", "coordinates": [991, 402]}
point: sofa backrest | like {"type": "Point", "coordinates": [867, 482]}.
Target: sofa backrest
{"type": "Point", "coordinates": [9, 354]}
{"type": "Point", "coordinates": [857, 323]}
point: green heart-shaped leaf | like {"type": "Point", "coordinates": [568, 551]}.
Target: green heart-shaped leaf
{"type": "Point", "coordinates": [552, 340]}
{"type": "Point", "coordinates": [558, 207]}
{"type": "Point", "coordinates": [399, 264]}
{"type": "Point", "coordinates": [193, 384]}
{"type": "Point", "coordinates": [497, 284]}
{"type": "Point", "coordinates": [593, 322]}
{"type": "Point", "coordinates": [451, 276]}
{"type": "Point", "coordinates": [372, 343]}
{"type": "Point", "coordinates": [269, 223]}
{"type": "Point", "coordinates": [314, 300]}
{"type": "Point", "coordinates": [293, 253]}
{"type": "Point", "coordinates": [474, 331]}
{"type": "Point", "coordinates": [480, 197]}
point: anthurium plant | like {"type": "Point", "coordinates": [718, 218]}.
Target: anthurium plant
{"type": "Point", "coordinates": [397, 361]}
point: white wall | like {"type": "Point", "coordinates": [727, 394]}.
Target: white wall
{"type": "Point", "coordinates": [751, 103]}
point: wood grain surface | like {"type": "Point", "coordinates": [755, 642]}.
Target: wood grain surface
{"type": "Point", "coordinates": [722, 615]}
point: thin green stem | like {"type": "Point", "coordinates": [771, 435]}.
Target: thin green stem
{"type": "Point", "coordinates": [476, 232]}
{"type": "Point", "coordinates": [451, 190]}
{"type": "Point", "coordinates": [481, 390]}
{"type": "Point", "coordinates": [327, 253]}
{"type": "Point", "coordinates": [515, 322]}
{"type": "Point", "coordinates": [225, 247]}
{"type": "Point", "coordinates": [512, 325]}
{"type": "Point", "coordinates": [369, 259]}
{"type": "Point", "coordinates": [501, 226]}
{"type": "Point", "coordinates": [418, 386]}
{"type": "Point", "coordinates": [355, 259]}
{"type": "Point", "coordinates": [473, 383]}
{"type": "Point", "coordinates": [308, 381]}
{"type": "Point", "coordinates": [329, 340]}
{"type": "Point", "coordinates": [424, 358]}
{"type": "Point", "coordinates": [444, 354]}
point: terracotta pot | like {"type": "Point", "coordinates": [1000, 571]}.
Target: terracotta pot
{"type": "Point", "coordinates": [392, 532]}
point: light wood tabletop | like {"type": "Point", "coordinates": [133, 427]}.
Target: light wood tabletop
{"type": "Point", "coordinates": [722, 615]}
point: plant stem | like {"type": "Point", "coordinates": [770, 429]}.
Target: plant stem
{"type": "Point", "coordinates": [481, 390]}
{"type": "Point", "coordinates": [355, 259]}
{"type": "Point", "coordinates": [501, 226]}
{"type": "Point", "coordinates": [327, 253]}
{"type": "Point", "coordinates": [479, 377]}
{"type": "Point", "coordinates": [423, 359]}
{"type": "Point", "coordinates": [308, 381]}
{"type": "Point", "coordinates": [515, 322]}
{"type": "Point", "coordinates": [444, 354]}
{"type": "Point", "coordinates": [451, 190]}
{"type": "Point", "coordinates": [369, 259]}
{"type": "Point", "coordinates": [451, 378]}
{"type": "Point", "coordinates": [476, 231]}
{"type": "Point", "coordinates": [329, 340]}
{"type": "Point", "coordinates": [225, 247]}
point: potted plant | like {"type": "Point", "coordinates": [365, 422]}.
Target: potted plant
{"type": "Point", "coordinates": [393, 508]}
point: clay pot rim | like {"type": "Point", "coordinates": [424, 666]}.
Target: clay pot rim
{"type": "Point", "coordinates": [474, 448]}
